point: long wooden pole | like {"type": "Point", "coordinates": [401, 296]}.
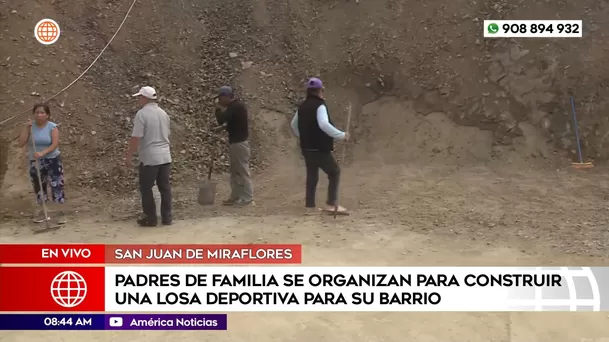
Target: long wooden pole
{"type": "Point", "coordinates": [42, 191]}
{"type": "Point", "coordinates": [344, 153]}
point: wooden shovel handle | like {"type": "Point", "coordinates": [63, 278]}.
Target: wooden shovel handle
{"type": "Point", "coordinates": [344, 154]}
{"type": "Point", "coordinates": [211, 167]}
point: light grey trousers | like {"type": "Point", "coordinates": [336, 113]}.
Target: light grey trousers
{"type": "Point", "coordinates": [240, 179]}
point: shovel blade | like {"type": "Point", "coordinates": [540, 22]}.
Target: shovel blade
{"type": "Point", "coordinates": [207, 193]}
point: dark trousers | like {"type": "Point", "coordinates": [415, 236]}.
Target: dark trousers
{"type": "Point", "coordinates": [51, 172]}
{"type": "Point", "coordinates": [158, 174]}
{"type": "Point", "coordinates": [325, 161]}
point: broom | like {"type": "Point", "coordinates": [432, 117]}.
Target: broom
{"type": "Point", "coordinates": [344, 153]}
{"type": "Point", "coordinates": [581, 164]}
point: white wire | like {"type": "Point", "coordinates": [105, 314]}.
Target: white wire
{"type": "Point", "coordinates": [84, 72]}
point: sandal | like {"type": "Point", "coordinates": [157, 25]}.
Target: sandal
{"type": "Point", "coordinates": [340, 210]}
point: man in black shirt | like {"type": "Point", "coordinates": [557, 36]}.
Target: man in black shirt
{"type": "Point", "coordinates": [312, 124]}
{"type": "Point", "coordinates": [233, 113]}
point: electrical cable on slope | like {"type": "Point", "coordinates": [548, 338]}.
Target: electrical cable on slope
{"type": "Point", "coordinates": [84, 72]}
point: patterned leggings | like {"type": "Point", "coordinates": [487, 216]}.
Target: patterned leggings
{"type": "Point", "coordinates": [51, 171]}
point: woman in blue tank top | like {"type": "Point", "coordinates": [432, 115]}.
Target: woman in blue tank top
{"type": "Point", "coordinates": [44, 135]}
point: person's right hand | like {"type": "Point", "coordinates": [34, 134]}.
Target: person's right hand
{"type": "Point", "coordinates": [347, 136]}
{"type": "Point", "coordinates": [28, 124]}
{"type": "Point", "coordinates": [128, 161]}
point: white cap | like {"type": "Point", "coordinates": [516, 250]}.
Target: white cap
{"type": "Point", "coordinates": [148, 92]}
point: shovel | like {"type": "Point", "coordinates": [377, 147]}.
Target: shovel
{"type": "Point", "coordinates": [207, 190]}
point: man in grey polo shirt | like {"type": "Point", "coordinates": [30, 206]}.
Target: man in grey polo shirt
{"type": "Point", "coordinates": [151, 130]}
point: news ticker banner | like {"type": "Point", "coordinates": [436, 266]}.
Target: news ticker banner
{"type": "Point", "coordinates": [151, 254]}
{"type": "Point", "coordinates": [113, 322]}
{"type": "Point", "coordinates": [132, 289]}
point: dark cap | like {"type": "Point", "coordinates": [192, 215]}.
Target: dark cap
{"type": "Point", "coordinates": [225, 91]}
{"type": "Point", "coordinates": [314, 83]}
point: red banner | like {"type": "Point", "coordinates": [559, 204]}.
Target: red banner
{"type": "Point", "coordinates": [52, 254]}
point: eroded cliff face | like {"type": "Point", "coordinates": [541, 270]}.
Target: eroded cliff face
{"type": "Point", "coordinates": [430, 55]}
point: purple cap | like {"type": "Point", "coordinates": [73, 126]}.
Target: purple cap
{"type": "Point", "coordinates": [314, 83]}
{"type": "Point", "coordinates": [225, 91]}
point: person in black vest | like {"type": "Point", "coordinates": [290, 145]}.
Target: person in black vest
{"type": "Point", "coordinates": [312, 124]}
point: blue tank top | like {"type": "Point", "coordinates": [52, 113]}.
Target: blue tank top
{"type": "Point", "coordinates": [42, 139]}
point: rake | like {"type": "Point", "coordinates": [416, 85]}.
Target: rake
{"type": "Point", "coordinates": [47, 223]}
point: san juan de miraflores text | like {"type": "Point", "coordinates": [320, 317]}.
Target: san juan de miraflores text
{"type": "Point", "coordinates": [314, 281]}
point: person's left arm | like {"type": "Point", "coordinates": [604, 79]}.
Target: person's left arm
{"type": "Point", "coordinates": [324, 123]}
{"type": "Point", "coordinates": [223, 114]}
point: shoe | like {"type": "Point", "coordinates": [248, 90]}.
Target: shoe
{"type": "Point", "coordinates": [243, 203]}
{"type": "Point", "coordinates": [167, 222]}
{"type": "Point", "coordinates": [144, 222]}
{"type": "Point", "coordinates": [229, 202]}
{"type": "Point", "coordinates": [311, 211]}
{"type": "Point", "coordinates": [39, 217]}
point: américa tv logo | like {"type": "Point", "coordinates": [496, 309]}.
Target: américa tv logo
{"type": "Point", "coordinates": [47, 31]}
{"type": "Point", "coordinates": [68, 289]}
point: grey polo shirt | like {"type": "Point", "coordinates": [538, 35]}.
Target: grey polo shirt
{"type": "Point", "coordinates": [151, 125]}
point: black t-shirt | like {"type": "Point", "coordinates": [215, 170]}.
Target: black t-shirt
{"type": "Point", "coordinates": [235, 117]}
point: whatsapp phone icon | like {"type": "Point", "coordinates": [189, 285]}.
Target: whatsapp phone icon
{"type": "Point", "coordinates": [493, 28]}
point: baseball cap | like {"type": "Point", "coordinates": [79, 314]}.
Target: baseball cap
{"type": "Point", "coordinates": [148, 92]}
{"type": "Point", "coordinates": [314, 83]}
{"type": "Point", "coordinates": [225, 91]}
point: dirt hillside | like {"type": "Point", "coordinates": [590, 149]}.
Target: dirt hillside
{"type": "Point", "coordinates": [431, 56]}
